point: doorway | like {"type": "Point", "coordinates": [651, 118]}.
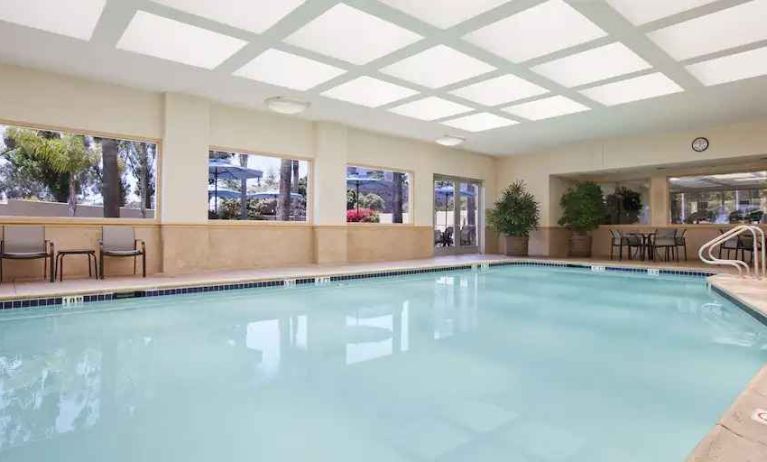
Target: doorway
{"type": "Point", "coordinates": [457, 205]}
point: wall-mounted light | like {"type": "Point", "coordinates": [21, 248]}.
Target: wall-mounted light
{"type": "Point", "coordinates": [286, 105]}
{"type": "Point", "coordinates": [449, 140]}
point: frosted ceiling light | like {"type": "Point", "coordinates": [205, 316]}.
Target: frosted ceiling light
{"type": "Point", "coordinates": [73, 18]}
{"type": "Point", "coordinates": [536, 31]}
{"type": "Point", "coordinates": [500, 90]}
{"type": "Point", "coordinates": [636, 89]}
{"type": "Point", "coordinates": [431, 108]}
{"type": "Point", "coordinates": [730, 68]}
{"type": "Point", "coordinates": [370, 92]}
{"type": "Point", "coordinates": [725, 29]}
{"type": "Point", "coordinates": [288, 70]}
{"type": "Point", "coordinates": [593, 65]}
{"type": "Point", "coordinates": [547, 108]}
{"type": "Point", "coordinates": [165, 38]}
{"type": "Point", "coordinates": [437, 67]}
{"type": "Point", "coordinates": [479, 122]}
{"type": "Point", "coordinates": [244, 14]}
{"type": "Point", "coordinates": [284, 105]}
{"type": "Point", "coordinates": [644, 11]}
{"type": "Point", "coordinates": [444, 13]}
{"type": "Point", "coordinates": [449, 140]}
{"type": "Point", "coordinates": [352, 35]}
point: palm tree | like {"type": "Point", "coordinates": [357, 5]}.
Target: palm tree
{"type": "Point", "coordinates": [140, 158]}
{"type": "Point", "coordinates": [283, 201]}
{"type": "Point", "coordinates": [398, 199]}
{"type": "Point", "coordinates": [63, 154]}
{"type": "Point", "coordinates": [243, 190]}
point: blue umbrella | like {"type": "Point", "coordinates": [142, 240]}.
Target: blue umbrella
{"type": "Point", "coordinates": [222, 193]}
{"type": "Point", "coordinates": [357, 181]}
{"type": "Point", "coordinates": [221, 169]}
{"type": "Point", "coordinates": [447, 191]}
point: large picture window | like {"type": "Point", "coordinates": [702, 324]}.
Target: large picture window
{"type": "Point", "coordinates": [48, 173]}
{"type": "Point", "coordinates": [377, 196]}
{"type": "Point", "coordinates": [627, 202]}
{"type": "Point", "coordinates": [721, 199]}
{"type": "Point", "coordinates": [254, 187]}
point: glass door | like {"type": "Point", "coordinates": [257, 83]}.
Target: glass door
{"type": "Point", "coordinates": [456, 215]}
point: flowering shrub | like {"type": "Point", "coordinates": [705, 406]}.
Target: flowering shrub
{"type": "Point", "coordinates": [362, 216]}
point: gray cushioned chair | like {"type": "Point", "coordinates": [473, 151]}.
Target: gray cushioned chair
{"type": "Point", "coordinates": [26, 242]}
{"type": "Point", "coordinates": [120, 241]}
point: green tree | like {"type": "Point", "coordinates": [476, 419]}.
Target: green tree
{"type": "Point", "coordinates": [140, 158]}
{"type": "Point", "coordinates": [283, 200]}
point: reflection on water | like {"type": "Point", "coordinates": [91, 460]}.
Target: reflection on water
{"type": "Point", "coordinates": [416, 357]}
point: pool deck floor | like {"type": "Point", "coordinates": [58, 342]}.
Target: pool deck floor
{"type": "Point", "coordinates": [737, 437]}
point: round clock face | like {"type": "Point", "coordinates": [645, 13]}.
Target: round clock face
{"type": "Point", "coordinates": [700, 144]}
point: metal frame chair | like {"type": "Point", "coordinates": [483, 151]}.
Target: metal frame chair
{"type": "Point", "coordinates": [619, 240]}
{"type": "Point", "coordinates": [681, 241]}
{"type": "Point", "coordinates": [27, 242]}
{"type": "Point", "coordinates": [120, 241]}
{"type": "Point", "coordinates": [665, 239]}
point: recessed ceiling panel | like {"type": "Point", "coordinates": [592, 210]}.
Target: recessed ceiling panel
{"type": "Point", "coordinates": [288, 70]}
{"type": "Point", "coordinates": [636, 89]}
{"type": "Point", "coordinates": [500, 90]}
{"type": "Point", "coordinates": [370, 92]}
{"type": "Point", "coordinates": [254, 16]}
{"type": "Point", "coordinates": [643, 11]}
{"type": "Point", "coordinates": [479, 122]}
{"type": "Point", "coordinates": [431, 108]}
{"type": "Point", "coordinates": [437, 67]}
{"type": "Point", "coordinates": [725, 29]}
{"type": "Point", "coordinates": [444, 13]}
{"type": "Point", "coordinates": [536, 31]}
{"type": "Point", "coordinates": [746, 65]}
{"type": "Point", "coordinates": [352, 35]}
{"type": "Point", "coordinates": [74, 18]}
{"type": "Point", "coordinates": [165, 38]}
{"type": "Point", "coordinates": [593, 65]}
{"type": "Point", "coordinates": [547, 108]}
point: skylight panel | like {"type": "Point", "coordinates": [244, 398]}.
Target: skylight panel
{"type": "Point", "coordinates": [547, 108]}
{"type": "Point", "coordinates": [444, 13]}
{"type": "Point", "coordinates": [730, 68]}
{"type": "Point", "coordinates": [288, 70]}
{"type": "Point", "coordinates": [479, 122]}
{"type": "Point", "coordinates": [500, 90]}
{"type": "Point", "coordinates": [593, 65]}
{"type": "Point", "coordinates": [73, 18]}
{"type": "Point", "coordinates": [165, 38]}
{"type": "Point", "coordinates": [536, 31]}
{"type": "Point", "coordinates": [370, 92]}
{"type": "Point", "coordinates": [437, 67]}
{"type": "Point", "coordinates": [254, 16]}
{"type": "Point", "coordinates": [635, 89]}
{"type": "Point", "coordinates": [431, 108]}
{"type": "Point", "coordinates": [644, 11]}
{"type": "Point", "coordinates": [352, 35]}
{"type": "Point", "coordinates": [725, 29]}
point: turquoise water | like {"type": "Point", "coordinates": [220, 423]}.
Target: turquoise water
{"type": "Point", "coordinates": [514, 364]}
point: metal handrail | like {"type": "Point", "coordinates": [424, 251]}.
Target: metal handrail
{"type": "Point", "coordinates": [759, 245]}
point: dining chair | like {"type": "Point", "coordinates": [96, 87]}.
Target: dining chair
{"type": "Point", "coordinates": [120, 241]}
{"type": "Point", "coordinates": [27, 242]}
{"type": "Point", "coordinates": [665, 239]}
{"type": "Point", "coordinates": [619, 240]}
{"type": "Point", "coordinates": [731, 244]}
{"type": "Point", "coordinates": [681, 242]}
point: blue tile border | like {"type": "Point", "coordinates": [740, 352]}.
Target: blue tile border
{"type": "Point", "coordinates": [106, 296]}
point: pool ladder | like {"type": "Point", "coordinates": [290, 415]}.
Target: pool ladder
{"type": "Point", "coordinates": [760, 270]}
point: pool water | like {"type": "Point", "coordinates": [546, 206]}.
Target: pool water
{"type": "Point", "coordinates": [512, 364]}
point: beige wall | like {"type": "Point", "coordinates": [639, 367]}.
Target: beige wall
{"type": "Point", "coordinates": [187, 126]}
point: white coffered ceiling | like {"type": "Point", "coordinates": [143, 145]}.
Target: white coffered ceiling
{"type": "Point", "coordinates": [507, 75]}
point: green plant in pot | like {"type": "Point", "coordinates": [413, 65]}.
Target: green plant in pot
{"type": "Point", "coordinates": [515, 215]}
{"type": "Point", "coordinates": [583, 209]}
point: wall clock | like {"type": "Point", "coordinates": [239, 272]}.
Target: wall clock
{"type": "Point", "coordinates": [700, 144]}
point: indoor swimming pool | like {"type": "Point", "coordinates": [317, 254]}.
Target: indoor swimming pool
{"type": "Point", "coordinates": [511, 364]}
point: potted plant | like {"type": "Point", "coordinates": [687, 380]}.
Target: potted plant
{"type": "Point", "coordinates": [515, 214]}
{"type": "Point", "coordinates": [583, 209]}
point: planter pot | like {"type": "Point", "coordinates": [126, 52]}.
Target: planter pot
{"type": "Point", "coordinates": [516, 246]}
{"type": "Point", "coordinates": [580, 245]}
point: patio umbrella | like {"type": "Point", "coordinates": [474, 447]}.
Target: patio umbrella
{"type": "Point", "coordinates": [357, 181]}
{"type": "Point", "coordinates": [448, 191]}
{"type": "Point", "coordinates": [220, 169]}
{"type": "Point", "coordinates": [223, 193]}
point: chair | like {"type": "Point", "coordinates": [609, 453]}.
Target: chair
{"type": "Point", "coordinates": [447, 237]}
{"type": "Point", "coordinates": [619, 240]}
{"type": "Point", "coordinates": [120, 241]}
{"type": "Point", "coordinates": [468, 235]}
{"type": "Point", "coordinates": [27, 243]}
{"type": "Point", "coordinates": [681, 242]}
{"type": "Point", "coordinates": [729, 245]}
{"type": "Point", "coordinates": [437, 237]}
{"type": "Point", "coordinates": [665, 239]}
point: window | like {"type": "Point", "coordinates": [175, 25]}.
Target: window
{"type": "Point", "coordinates": [254, 187]}
{"type": "Point", "coordinates": [627, 202]}
{"type": "Point", "coordinates": [721, 199]}
{"type": "Point", "coordinates": [59, 174]}
{"type": "Point", "coordinates": [377, 196]}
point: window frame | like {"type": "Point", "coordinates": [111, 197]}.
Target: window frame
{"type": "Point", "coordinates": [309, 188]}
{"type": "Point", "coordinates": [410, 201]}
{"type": "Point", "coordinates": [45, 220]}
